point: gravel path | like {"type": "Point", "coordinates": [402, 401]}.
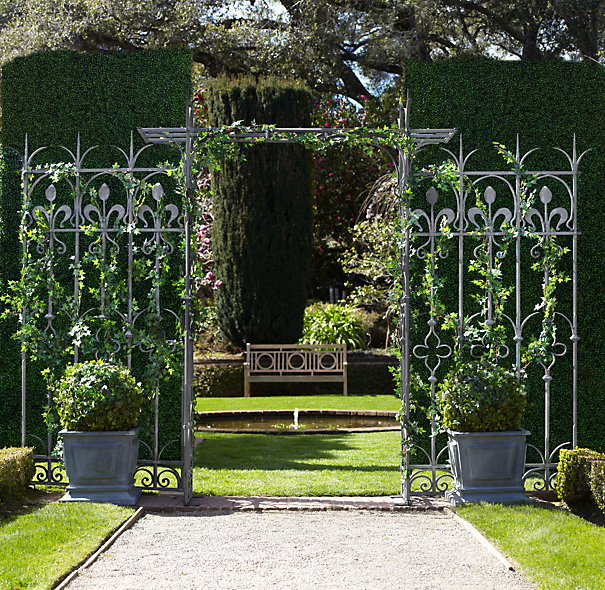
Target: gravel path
{"type": "Point", "coordinates": [301, 550]}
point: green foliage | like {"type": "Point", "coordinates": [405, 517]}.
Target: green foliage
{"type": "Point", "coordinates": [573, 482]}
{"type": "Point", "coordinates": [262, 215]}
{"type": "Point", "coordinates": [98, 396]}
{"type": "Point", "coordinates": [342, 176]}
{"type": "Point", "coordinates": [515, 96]}
{"type": "Point", "coordinates": [45, 543]}
{"type": "Point", "coordinates": [481, 397]}
{"type": "Point", "coordinates": [51, 97]}
{"type": "Point", "coordinates": [370, 260]}
{"type": "Point", "coordinates": [581, 477]}
{"type": "Point", "coordinates": [331, 323]}
{"type": "Point", "coordinates": [218, 381]}
{"type": "Point", "coordinates": [597, 481]}
{"type": "Point", "coordinates": [16, 471]}
{"type": "Point", "coordinates": [555, 550]}
{"type": "Point", "coordinates": [10, 361]}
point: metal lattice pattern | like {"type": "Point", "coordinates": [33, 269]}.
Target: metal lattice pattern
{"type": "Point", "coordinates": [86, 217]}
{"type": "Point", "coordinates": [552, 216]}
{"type": "Point", "coordinates": [555, 215]}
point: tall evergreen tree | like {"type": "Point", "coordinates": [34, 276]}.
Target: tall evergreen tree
{"type": "Point", "coordinates": [262, 215]}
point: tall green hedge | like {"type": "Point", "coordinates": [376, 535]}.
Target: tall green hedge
{"type": "Point", "coordinates": [52, 96]}
{"type": "Point", "coordinates": [545, 103]}
{"type": "Point", "coordinates": [263, 215]}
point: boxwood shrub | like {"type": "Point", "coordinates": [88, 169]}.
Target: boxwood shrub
{"type": "Point", "coordinates": [581, 477]}
{"type": "Point", "coordinates": [16, 471]}
{"type": "Point", "coordinates": [98, 396]}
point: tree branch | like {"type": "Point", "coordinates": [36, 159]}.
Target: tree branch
{"type": "Point", "coordinates": [354, 88]}
{"type": "Point", "coordinates": [502, 23]}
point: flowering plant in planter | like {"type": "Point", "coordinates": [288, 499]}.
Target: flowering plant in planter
{"type": "Point", "coordinates": [98, 404]}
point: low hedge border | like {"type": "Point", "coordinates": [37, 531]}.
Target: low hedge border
{"type": "Point", "coordinates": [16, 471]}
{"type": "Point", "coordinates": [367, 375]}
{"type": "Point", "coordinates": [581, 477]}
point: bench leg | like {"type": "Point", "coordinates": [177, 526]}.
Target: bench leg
{"type": "Point", "coordinates": [246, 382]}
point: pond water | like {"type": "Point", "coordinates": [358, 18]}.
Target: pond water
{"type": "Point", "coordinates": [301, 421]}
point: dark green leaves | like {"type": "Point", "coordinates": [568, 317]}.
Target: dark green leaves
{"type": "Point", "coordinates": [98, 396]}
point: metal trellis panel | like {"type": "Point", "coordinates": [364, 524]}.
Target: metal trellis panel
{"type": "Point", "coordinates": [552, 216]}
{"type": "Point", "coordinates": [107, 214]}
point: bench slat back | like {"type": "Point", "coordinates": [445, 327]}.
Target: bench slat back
{"type": "Point", "coordinates": [303, 359]}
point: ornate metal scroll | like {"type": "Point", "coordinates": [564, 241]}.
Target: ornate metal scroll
{"type": "Point", "coordinates": [128, 216]}
{"type": "Point", "coordinates": [552, 216]}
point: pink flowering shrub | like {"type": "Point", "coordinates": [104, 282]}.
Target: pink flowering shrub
{"type": "Point", "coordinates": [343, 177]}
{"type": "Point", "coordinates": [206, 281]}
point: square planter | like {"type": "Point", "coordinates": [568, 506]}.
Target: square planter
{"type": "Point", "coordinates": [100, 466]}
{"type": "Point", "coordinates": [487, 466]}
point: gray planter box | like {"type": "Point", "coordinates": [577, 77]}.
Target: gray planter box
{"type": "Point", "coordinates": [487, 466]}
{"type": "Point", "coordinates": [100, 466]}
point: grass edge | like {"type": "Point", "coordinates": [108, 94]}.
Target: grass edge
{"type": "Point", "coordinates": [483, 539]}
{"type": "Point", "coordinates": [106, 543]}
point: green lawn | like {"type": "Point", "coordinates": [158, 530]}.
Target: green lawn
{"type": "Point", "coordinates": [555, 549]}
{"type": "Point", "coordinates": [310, 402]}
{"type": "Point", "coordinates": [349, 464]}
{"type": "Point", "coordinates": [46, 542]}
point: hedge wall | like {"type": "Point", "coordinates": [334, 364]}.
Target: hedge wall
{"type": "Point", "coordinates": [262, 215]}
{"type": "Point", "coordinates": [545, 103]}
{"type": "Point", "coordinates": [51, 96]}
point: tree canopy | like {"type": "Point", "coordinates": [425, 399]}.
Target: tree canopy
{"type": "Point", "coordinates": [347, 46]}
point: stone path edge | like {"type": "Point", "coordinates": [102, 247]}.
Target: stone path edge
{"type": "Point", "coordinates": [173, 503]}
{"type": "Point", "coordinates": [63, 582]}
{"type": "Point", "coordinates": [481, 538]}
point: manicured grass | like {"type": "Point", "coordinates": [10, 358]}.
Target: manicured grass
{"type": "Point", "coordinates": [307, 402]}
{"type": "Point", "coordinates": [555, 549]}
{"type": "Point", "coordinates": [352, 464]}
{"type": "Point", "coordinates": [46, 542]}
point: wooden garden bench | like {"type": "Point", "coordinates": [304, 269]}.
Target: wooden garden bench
{"type": "Point", "coordinates": [280, 363]}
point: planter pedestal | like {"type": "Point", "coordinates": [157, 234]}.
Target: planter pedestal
{"type": "Point", "coordinates": [487, 466]}
{"type": "Point", "coordinates": [100, 466]}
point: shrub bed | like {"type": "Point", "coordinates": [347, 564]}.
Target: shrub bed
{"type": "Point", "coordinates": [331, 323]}
{"type": "Point", "coordinates": [16, 471]}
{"type": "Point", "coordinates": [581, 477]}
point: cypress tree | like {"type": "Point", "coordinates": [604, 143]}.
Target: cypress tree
{"type": "Point", "coordinates": [262, 215]}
